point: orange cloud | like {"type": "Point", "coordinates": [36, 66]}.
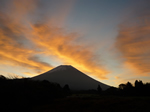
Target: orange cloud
{"type": "Point", "coordinates": [55, 42]}
{"type": "Point", "coordinates": [29, 74]}
{"type": "Point", "coordinates": [134, 43]}
{"type": "Point", "coordinates": [21, 40]}
{"type": "Point", "coordinates": [19, 55]}
{"type": "Point", "coordinates": [13, 50]}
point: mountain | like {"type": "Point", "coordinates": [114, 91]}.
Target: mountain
{"type": "Point", "coordinates": [66, 74]}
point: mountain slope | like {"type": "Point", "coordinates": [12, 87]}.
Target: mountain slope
{"type": "Point", "coordinates": [66, 74]}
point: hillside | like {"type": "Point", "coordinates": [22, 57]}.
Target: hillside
{"type": "Point", "coordinates": [66, 74]}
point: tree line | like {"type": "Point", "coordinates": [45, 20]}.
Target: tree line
{"type": "Point", "coordinates": [26, 93]}
{"type": "Point", "coordinates": [128, 89]}
{"type": "Point", "coordinates": [138, 89]}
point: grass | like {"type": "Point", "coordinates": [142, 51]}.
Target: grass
{"type": "Point", "coordinates": [96, 103]}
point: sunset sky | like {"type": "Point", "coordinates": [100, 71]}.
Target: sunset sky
{"type": "Point", "coordinates": [108, 40]}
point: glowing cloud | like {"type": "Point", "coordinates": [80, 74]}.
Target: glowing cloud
{"type": "Point", "coordinates": [134, 41]}
{"type": "Point", "coordinates": [12, 45]}
{"type": "Point", "coordinates": [21, 40]}
{"type": "Point", "coordinates": [64, 46]}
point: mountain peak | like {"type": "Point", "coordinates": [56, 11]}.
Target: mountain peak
{"type": "Point", "coordinates": [67, 74]}
{"type": "Point", "coordinates": [60, 68]}
{"type": "Point", "coordinates": [64, 66]}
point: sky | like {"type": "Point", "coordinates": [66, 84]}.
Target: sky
{"type": "Point", "coordinates": [109, 40]}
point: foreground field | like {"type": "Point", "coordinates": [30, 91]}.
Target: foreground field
{"type": "Point", "coordinates": [95, 103]}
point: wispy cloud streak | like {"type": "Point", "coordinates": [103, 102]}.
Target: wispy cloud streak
{"type": "Point", "coordinates": [64, 46]}
{"type": "Point", "coordinates": [134, 40]}
{"type": "Point", "coordinates": [12, 45]}
{"type": "Point", "coordinates": [22, 39]}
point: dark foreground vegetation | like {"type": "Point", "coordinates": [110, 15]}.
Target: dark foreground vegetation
{"type": "Point", "coordinates": [23, 94]}
{"type": "Point", "coordinates": [26, 95]}
{"type": "Point", "coordinates": [96, 103]}
{"type": "Point", "coordinates": [138, 89]}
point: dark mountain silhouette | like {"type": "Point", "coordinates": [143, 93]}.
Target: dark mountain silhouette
{"type": "Point", "coordinates": [66, 74]}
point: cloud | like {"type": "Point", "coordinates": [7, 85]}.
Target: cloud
{"type": "Point", "coordinates": [22, 40]}
{"type": "Point", "coordinates": [29, 74]}
{"type": "Point", "coordinates": [133, 40]}
{"type": "Point", "coordinates": [13, 42]}
{"type": "Point", "coordinates": [54, 41]}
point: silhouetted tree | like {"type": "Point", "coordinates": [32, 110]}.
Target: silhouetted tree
{"type": "Point", "coordinates": [147, 85]}
{"type": "Point", "coordinates": [126, 89]}
{"type": "Point", "coordinates": [99, 89]}
{"type": "Point", "coordinates": [122, 86]}
{"type": "Point", "coordinates": [66, 89]}
{"type": "Point", "coordinates": [2, 77]}
{"type": "Point", "coordinates": [129, 85]}
{"type": "Point", "coordinates": [138, 84]}
{"type": "Point", "coordinates": [140, 89]}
